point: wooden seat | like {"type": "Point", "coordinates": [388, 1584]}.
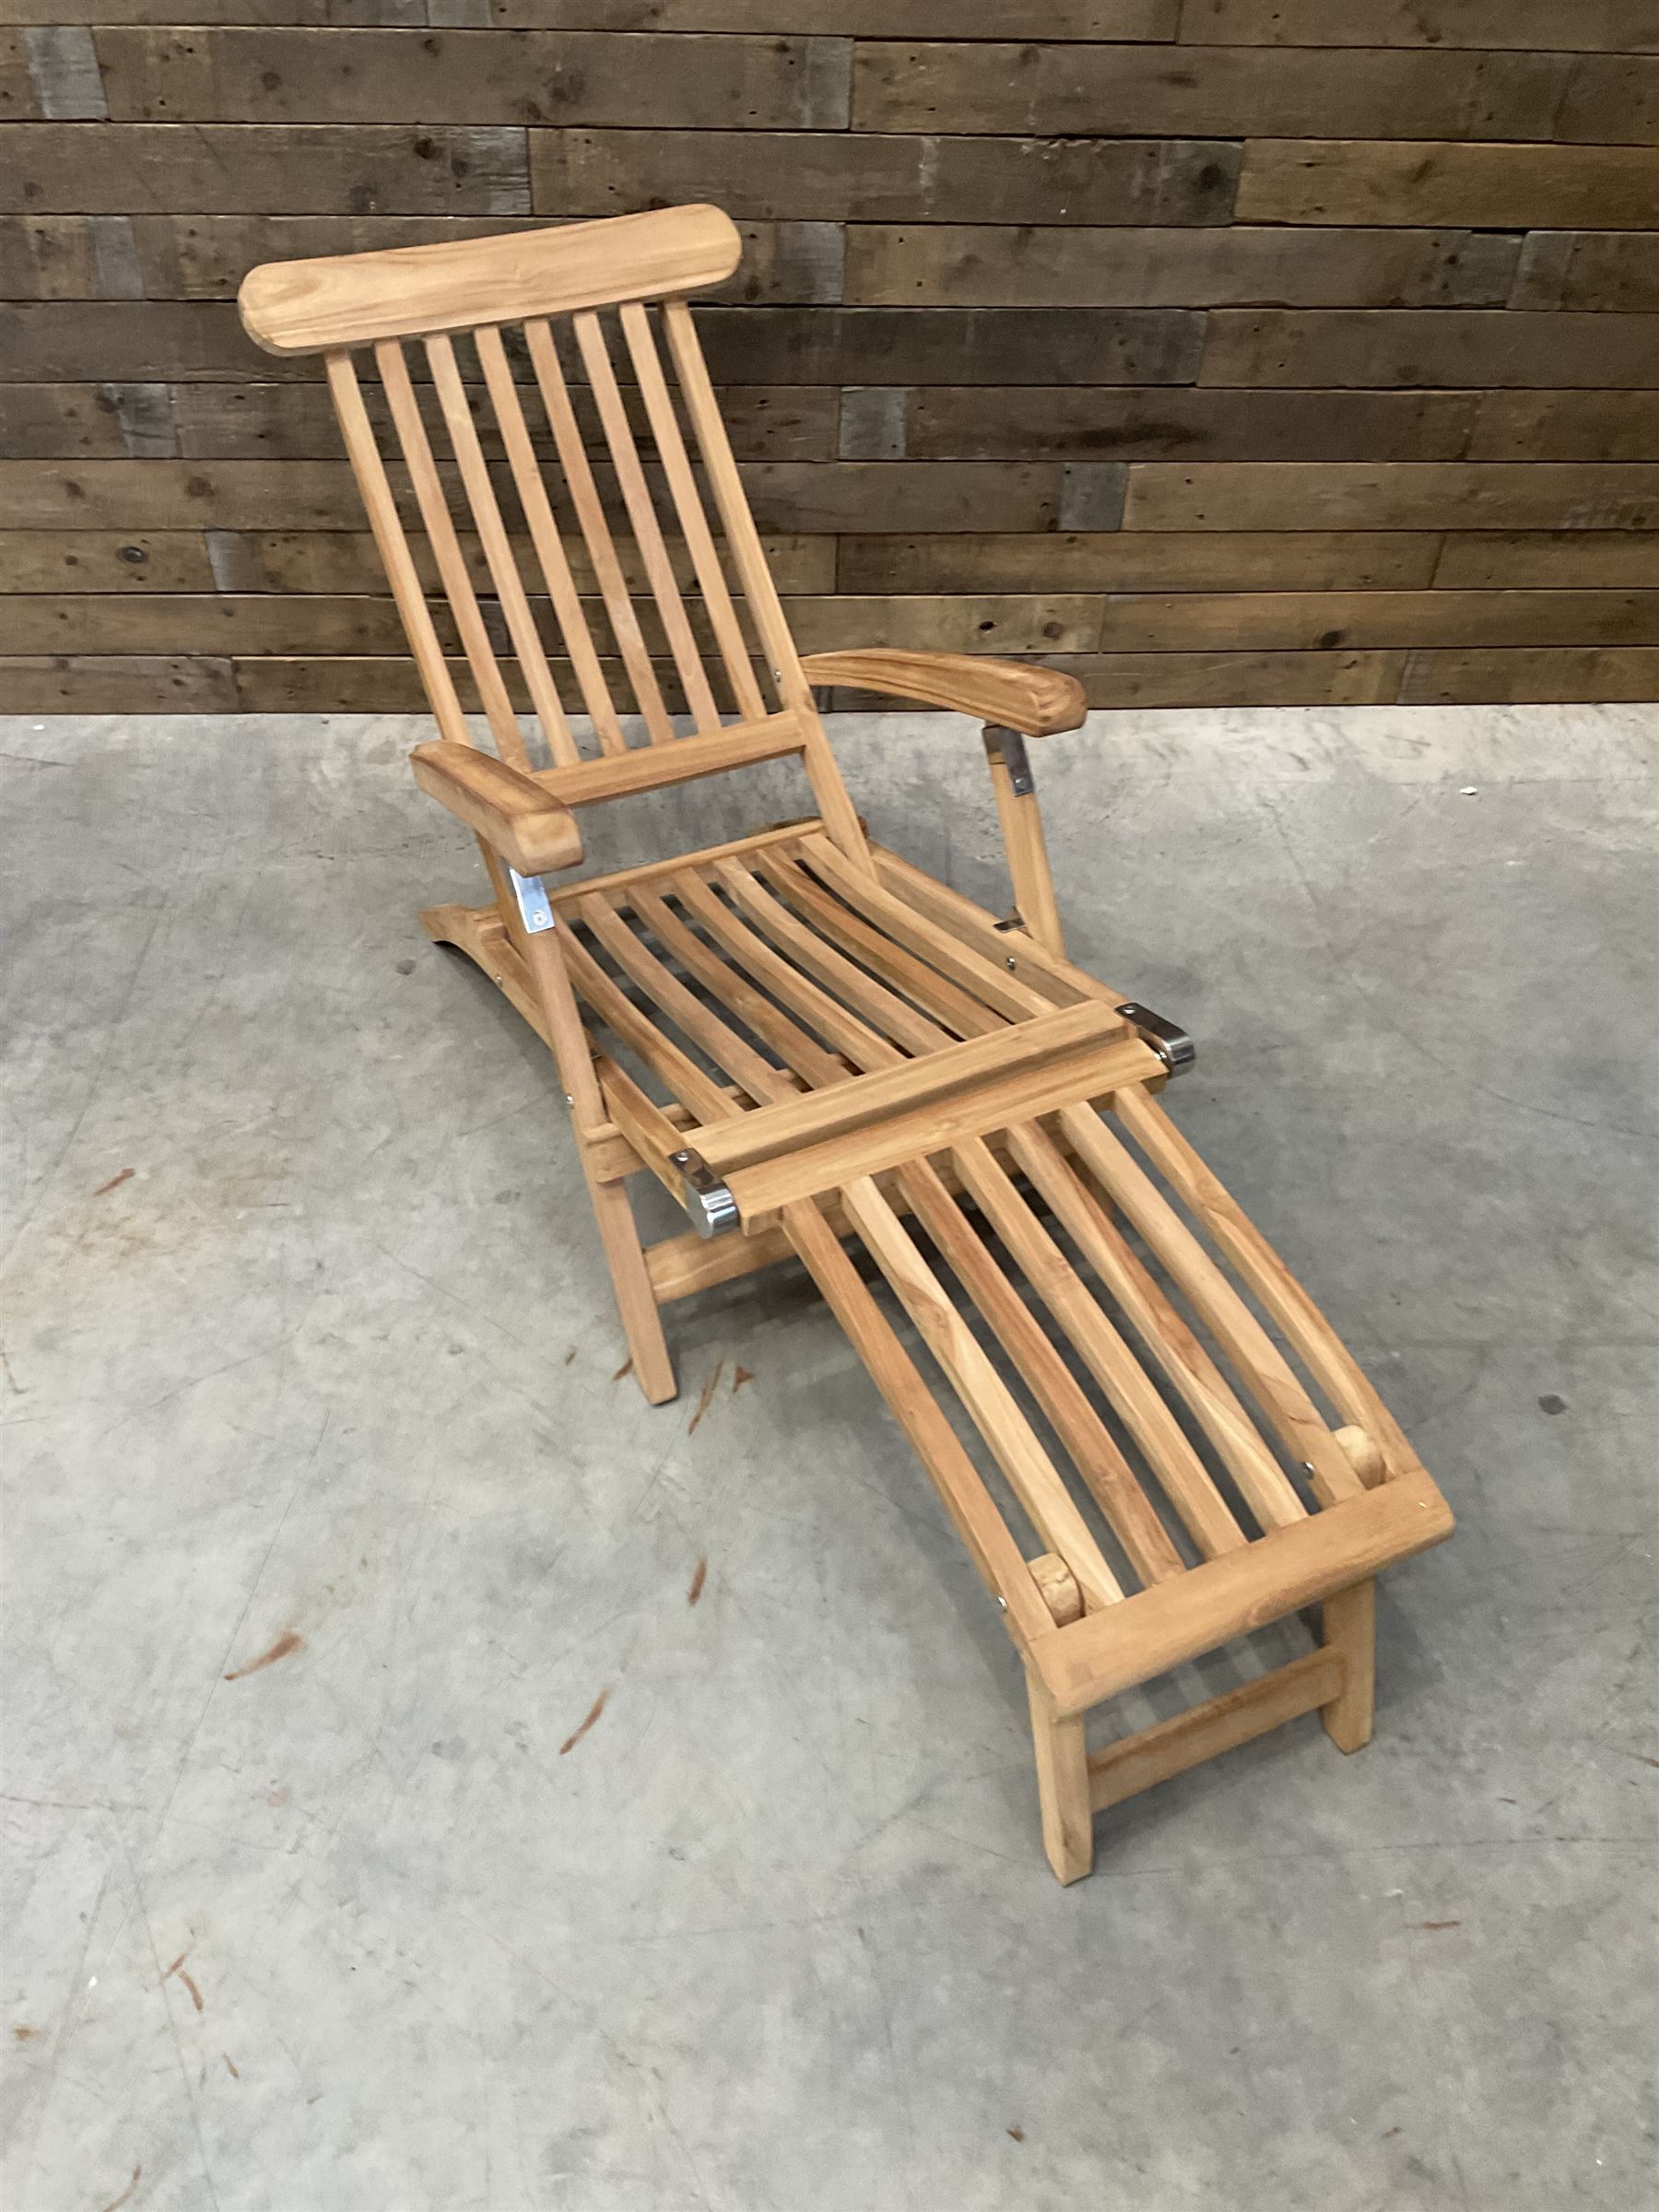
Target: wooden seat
{"type": "Point", "coordinates": [1148, 1439]}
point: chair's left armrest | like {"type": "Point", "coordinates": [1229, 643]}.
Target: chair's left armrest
{"type": "Point", "coordinates": [1038, 702]}
{"type": "Point", "coordinates": [532, 831]}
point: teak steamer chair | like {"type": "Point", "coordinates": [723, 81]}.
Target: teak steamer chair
{"type": "Point", "coordinates": [885, 1056]}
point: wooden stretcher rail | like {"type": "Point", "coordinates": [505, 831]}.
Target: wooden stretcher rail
{"type": "Point", "coordinates": [1157, 1629]}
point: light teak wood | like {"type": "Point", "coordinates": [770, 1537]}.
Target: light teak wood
{"type": "Point", "coordinates": [1116, 1389]}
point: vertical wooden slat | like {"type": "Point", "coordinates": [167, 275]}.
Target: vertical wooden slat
{"type": "Point", "coordinates": [595, 533]}
{"type": "Point", "coordinates": [417, 618]}
{"type": "Point", "coordinates": [641, 513]}
{"type": "Point", "coordinates": [498, 552]}
{"type": "Point", "coordinates": [687, 502]}
{"type": "Point", "coordinates": [759, 593]}
{"type": "Point", "coordinates": [446, 550]}
{"type": "Point", "coordinates": [543, 535]}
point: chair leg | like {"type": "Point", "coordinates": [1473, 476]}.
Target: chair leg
{"type": "Point", "coordinates": [1062, 1788]}
{"type": "Point", "coordinates": [1350, 1628]}
{"type": "Point", "coordinates": [636, 1302]}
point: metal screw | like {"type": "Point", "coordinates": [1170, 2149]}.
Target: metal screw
{"type": "Point", "coordinates": [1012, 961]}
{"type": "Point", "coordinates": [680, 1160]}
{"type": "Point", "coordinates": [1002, 1603]}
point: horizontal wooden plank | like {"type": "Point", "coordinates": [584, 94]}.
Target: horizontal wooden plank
{"type": "Point", "coordinates": [789, 498]}
{"type": "Point", "coordinates": [1513, 187]}
{"type": "Point", "coordinates": [1453, 678]}
{"type": "Point", "coordinates": [1564, 426]}
{"type": "Point", "coordinates": [1480, 560]}
{"type": "Point", "coordinates": [273, 683]}
{"type": "Point", "coordinates": [104, 561]}
{"type": "Point", "coordinates": [1236, 679]}
{"type": "Point", "coordinates": [207, 256]}
{"type": "Point", "coordinates": [114, 684]}
{"type": "Point", "coordinates": [951, 346]}
{"type": "Point", "coordinates": [280, 169]}
{"type": "Point", "coordinates": [1614, 271]}
{"type": "Point", "coordinates": [1329, 621]}
{"type": "Point", "coordinates": [1618, 25]}
{"type": "Point", "coordinates": [1398, 495]}
{"type": "Point", "coordinates": [864, 18]}
{"type": "Point", "coordinates": [1219, 91]}
{"type": "Point", "coordinates": [345, 74]}
{"type": "Point", "coordinates": [347, 561]}
{"type": "Point", "coordinates": [79, 422]}
{"type": "Point", "coordinates": [961, 264]}
{"type": "Point", "coordinates": [1447, 346]}
{"type": "Point", "coordinates": [852, 176]}
{"type": "Point", "coordinates": [146, 341]}
{"type": "Point", "coordinates": [997, 622]}
{"type": "Point", "coordinates": [1130, 561]}
{"type": "Point", "coordinates": [1070, 423]}
{"type": "Point", "coordinates": [1611, 99]}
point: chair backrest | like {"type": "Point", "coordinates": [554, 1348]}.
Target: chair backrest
{"type": "Point", "coordinates": [709, 637]}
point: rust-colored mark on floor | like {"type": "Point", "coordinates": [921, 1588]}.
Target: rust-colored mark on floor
{"type": "Point", "coordinates": [279, 1795]}
{"type": "Point", "coordinates": [576, 1735]}
{"type": "Point", "coordinates": [625, 1369]}
{"type": "Point", "coordinates": [289, 1641]}
{"type": "Point", "coordinates": [25, 2034]}
{"type": "Point", "coordinates": [1640, 1757]}
{"type": "Point", "coordinates": [195, 1994]}
{"type": "Point", "coordinates": [234, 2070]}
{"type": "Point", "coordinates": [740, 1375]}
{"type": "Point", "coordinates": [707, 1398]}
{"type": "Point", "coordinates": [114, 1182]}
{"type": "Point", "coordinates": [1440, 1923]}
{"type": "Point", "coordinates": [569, 1356]}
{"type": "Point", "coordinates": [115, 2203]}
{"type": "Point", "coordinates": [700, 1575]}
{"type": "Point", "coordinates": [1017, 2134]}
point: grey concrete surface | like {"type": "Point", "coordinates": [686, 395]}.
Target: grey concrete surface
{"type": "Point", "coordinates": [308, 1349]}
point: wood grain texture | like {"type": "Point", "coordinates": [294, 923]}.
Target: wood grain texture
{"type": "Point", "coordinates": [1214, 349]}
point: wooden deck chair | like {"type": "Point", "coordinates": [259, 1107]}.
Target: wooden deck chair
{"type": "Point", "coordinates": [1146, 1436]}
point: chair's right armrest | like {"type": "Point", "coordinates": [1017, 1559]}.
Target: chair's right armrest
{"type": "Point", "coordinates": [530, 829]}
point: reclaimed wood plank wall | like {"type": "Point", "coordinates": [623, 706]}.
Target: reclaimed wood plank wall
{"type": "Point", "coordinates": [1221, 350]}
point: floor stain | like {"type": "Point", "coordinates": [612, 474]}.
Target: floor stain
{"type": "Point", "coordinates": [740, 1375]}
{"type": "Point", "coordinates": [1440, 1923]}
{"type": "Point", "coordinates": [195, 1994]}
{"type": "Point", "coordinates": [26, 2034]}
{"type": "Point", "coordinates": [700, 1575]}
{"type": "Point", "coordinates": [569, 1356]}
{"type": "Point", "coordinates": [625, 1369]}
{"type": "Point", "coordinates": [234, 2070]}
{"type": "Point", "coordinates": [114, 1182]}
{"type": "Point", "coordinates": [1017, 2134]}
{"type": "Point", "coordinates": [115, 2203]}
{"type": "Point", "coordinates": [707, 1399]}
{"type": "Point", "coordinates": [577, 1734]}
{"type": "Point", "coordinates": [289, 1641]}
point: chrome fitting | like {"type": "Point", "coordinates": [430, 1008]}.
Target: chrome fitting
{"type": "Point", "coordinates": [536, 911]}
{"type": "Point", "coordinates": [1009, 748]}
{"type": "Point", "coordinates": [708, 1201]}
{"type": "Point", "coordinates": [1173, 1046]}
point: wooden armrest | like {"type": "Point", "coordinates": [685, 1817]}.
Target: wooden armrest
{"type": "Point", "coordinates": [530, 829]}
{"type": "Point", "coordinates": [1035, 702]}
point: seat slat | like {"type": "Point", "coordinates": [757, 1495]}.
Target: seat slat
{"type": "Point", "coordinates": [701, 1023]}
{"type": "Point", "coordinates": [694, 527]}
{"type": "Point", "coordinates": [545, 536]}
{"type": "Point", "coordinates": [446, 551]}
{"type": "Point", "coordinates": [1102, 1466]}
{"type": "Point", "coordinates": [1206, 1390]}
{"type": "Point", "coordinates": [958, 1009]}
{"type": "Point", "coordinates": [641, 513]}
{"type": "Point", "coordinates": [498, 552]}
{"type": "Point", "coordinates": [1266, 1373]}
{"type": "Point", "coordinates": [1161, 1441]}
{"type": "Point", "coordinates": [680, 1074]}
{"type": "Point", "coordinates": [990, 1404]}
{"type": "Point", "coordinates": [884, 1009]}
{"type": "Point", "coordinates": [595, 530]}
{"type": "Point", "coordinates": [788, 1040]}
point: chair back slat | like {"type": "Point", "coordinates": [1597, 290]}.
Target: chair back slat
{"type": "Point", "coordinates": [670, 610]}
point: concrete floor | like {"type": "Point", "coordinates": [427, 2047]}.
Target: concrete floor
{"type": "Point", "coordinates": [310, 1358]}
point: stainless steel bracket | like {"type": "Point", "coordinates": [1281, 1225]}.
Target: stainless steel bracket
{"type": "Point", "coordinates": [1009, 748]}
{"type": "Point", "coordinates": [708, 1201]}
{"type": "Point", "coordinates": [1173, 1045]}
{"type": "Point", "coordinates": [536, 911]}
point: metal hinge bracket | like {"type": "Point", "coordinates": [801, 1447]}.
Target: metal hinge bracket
{"type": "Point", "coordinates": [535, 909]}
{"type": "Point", "coordinates": [1009, 748]}
{"type": "Point", "coordinates": [1173, 1045]}
{"type": "Point", "coordinates": [708, 1201]}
